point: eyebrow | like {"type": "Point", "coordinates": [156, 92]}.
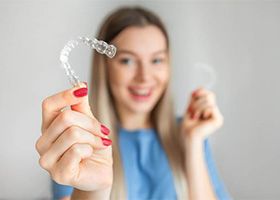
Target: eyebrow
{"type": "Point", "coordinates": [133, 53]}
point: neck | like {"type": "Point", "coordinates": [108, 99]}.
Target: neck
{"type": "Point", "coordinates": [132, 121]}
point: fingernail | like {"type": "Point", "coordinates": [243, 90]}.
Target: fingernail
{"type": "Point", "coordinates": [105, 130]}
{"type": "Point", "coordinates": [194, 93]}
{"type": "Point", "coordinates": [190, 109]}
{"type": "Point", "coordinates": [80, 92]}
{"type": "Point", "coordinates": [192, 115]}
{"type": "Point", "coordinates": [106, 142]}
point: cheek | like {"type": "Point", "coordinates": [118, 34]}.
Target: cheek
{"type": "Point", "coordinates": [118, 80]}
{"type": "Point", "coordinates": [163, 78]}
{"type": "Point", "coordinates": [113, 74]}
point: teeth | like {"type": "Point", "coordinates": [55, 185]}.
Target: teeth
{"type": "Point", "coordinates": [142, 92]}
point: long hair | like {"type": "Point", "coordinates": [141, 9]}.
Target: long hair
{"type": "Point", "coordinates": [162, 115]}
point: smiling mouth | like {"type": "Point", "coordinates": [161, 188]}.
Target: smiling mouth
{"type": "Point", "coordinates": [140, 94]}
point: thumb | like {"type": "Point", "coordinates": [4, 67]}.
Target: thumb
{"type": "Point", "coordinates": [83, 106]}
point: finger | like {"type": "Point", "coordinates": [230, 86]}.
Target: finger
{"type": "Point", "coordinates": [217, 116]}
{"type": "Point", "coordinates": [67, 168]}
{"type": "Point", "coordinates": [207, 113]}
{"type": "Point", "coordinates": [53, 105]}
{"type": "Point", "coordinates": [65, 120]}
{"type": "Point", "coordinates": [198, 114]}
{"type": "Point", "coordinates": [200, 105]}
{"type": "Point", "coordinates": [71, 136]}
{"type": "Point", "coordinates": [197, 104]}
{"type": "Point", "coordinates": [202, 102]}
{"type": "Point", "coordinates": [196, 92]}
{"type": "Point", "coordinates": [83, 106]}
{"type": "Point", "coordinates": [202, 92]}
{"type": "Point", "coordinates": [196, 95]}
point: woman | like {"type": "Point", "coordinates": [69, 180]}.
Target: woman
{"type": "Point", "coordinates": [147, 153]}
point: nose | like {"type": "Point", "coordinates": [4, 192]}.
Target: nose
{"type": "Point", "coordinates": [143, 72]}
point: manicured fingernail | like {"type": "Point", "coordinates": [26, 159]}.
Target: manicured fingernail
{"type": "Point", "coordinates": [190, 109]}
{"type": "Point", "coordinates": [192, 115]}
{"type": "Point", "coordinates": [105, 130]}
{"type": "Point", "coordinates": [106, 142]}
{"type": "Point", "coordinates": [194, 94]}
{"type": "Point", "coordinates": [80, 92]}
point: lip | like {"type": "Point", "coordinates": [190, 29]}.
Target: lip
{"type": "Point", "coordinates": [140, 98]}
{"type": "Point", "coordinates": [139, 87]}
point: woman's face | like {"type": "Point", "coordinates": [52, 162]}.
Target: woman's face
{"type": "Point", "coordinates": [139, 72]}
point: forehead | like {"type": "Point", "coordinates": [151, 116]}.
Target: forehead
{"type": "Point", "coordinates": [141, 40]}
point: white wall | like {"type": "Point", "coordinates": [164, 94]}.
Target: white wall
{"type": "Point", "coordinates": [240, 39]}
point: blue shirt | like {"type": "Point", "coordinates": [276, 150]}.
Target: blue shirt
{"type": "Point", "coordinates": [148, 175]}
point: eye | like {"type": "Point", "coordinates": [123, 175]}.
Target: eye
{"type": "Point", "coordinates": [126, 61]}
{"type": "Point", "coordinates": [157, 60]}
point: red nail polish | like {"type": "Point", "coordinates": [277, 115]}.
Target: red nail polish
{"type": "Point", "coordinates": [194, 93]}
{"type": "Point", "coordinates": [106, 142]}
{"type": "Point", "coordinates": [105, 130]}
{"type": "Point", "coordinates": [192, 115]}
{"type": "Point", "coordinates": [80, 92]}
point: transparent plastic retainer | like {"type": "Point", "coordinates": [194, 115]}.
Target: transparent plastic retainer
{"type": "Point", "coordinates": [99, 45]}
{"type": "Point", "coordinates": [203, 75]}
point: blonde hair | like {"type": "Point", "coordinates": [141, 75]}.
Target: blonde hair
{"type": "Point", "coordinates": [163, 117]}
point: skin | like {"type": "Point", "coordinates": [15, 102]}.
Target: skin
{"type": "Point", "coordinates": [138, 66]}
{"type": "Point", "coordinates": [142, 61]}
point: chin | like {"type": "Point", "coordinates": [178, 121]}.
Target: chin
{"type": "Point", "coordinates": [144, 109]}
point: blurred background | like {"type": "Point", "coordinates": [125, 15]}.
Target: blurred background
{"type": "Point", "coordinates": [238, 39]}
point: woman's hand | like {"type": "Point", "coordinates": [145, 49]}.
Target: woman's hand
{"type": "Point", "coordinates": [201, 119]}
{"type": "Point", "coordinates": [203, 116]}
{"type": "Point", "coordinates": [74, 147]}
